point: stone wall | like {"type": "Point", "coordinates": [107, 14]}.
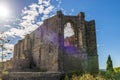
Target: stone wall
{"type": "Point", "coordinates": [32, 76]}
{"type": "Point", "coordinates": [91, 47]}
{"type": "Point", "coordinates": [74, 62]}
{"type": "Point", "coordinates": [84, 41]}
{"type": "Point", "coordinates": [45, 47]}
{"type": "Point", "coordinates": [91, 38]}
{"type": "Point", "coordinates": [21, 65]}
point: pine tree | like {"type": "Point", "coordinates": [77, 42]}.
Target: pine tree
{"type": "Point", "coordinates": [109, 64]}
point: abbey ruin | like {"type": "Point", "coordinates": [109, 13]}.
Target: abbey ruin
{"type": "Point", "coordinates": [54, 48]}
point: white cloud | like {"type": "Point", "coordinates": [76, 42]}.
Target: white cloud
{"type": "Point", "coordinates": [33, 6]}
{"type": "Point", "coordinates": [44, 17]}
{"type": "Point", "coordinates": [40, 9]}
{"type": "Point", "coordinates": [32, 17]}
{"type": "Point", "coordinates": [9, 47]}
{"type": "Point", "coordinates": [48, 9]}
{"type": "Point", "coordinates": [46, 2]}
{"type": "Point", "coordinates": [30, 14]}
{"type": "Point", "coordinates": [40, 1]}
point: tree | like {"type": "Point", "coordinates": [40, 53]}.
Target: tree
{"type": "Point", "coordinates": [117, 69]}
{"type": "Point", "coordinates": [109, 64]}
{"type": "Point", "coordinates": [3, 41]}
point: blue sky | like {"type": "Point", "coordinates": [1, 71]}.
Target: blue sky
{"type": "Point", "coordinates": [105, 12]}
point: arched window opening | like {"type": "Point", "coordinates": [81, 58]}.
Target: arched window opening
{"type": "Point", "coordinates": [69, 38]}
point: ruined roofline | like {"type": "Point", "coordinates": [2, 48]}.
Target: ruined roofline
{"type": "Point", "coordinates": [80, 14]}
{"type": "Point", "coordinates": [59, 14]}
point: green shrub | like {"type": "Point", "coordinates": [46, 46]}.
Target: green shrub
{"type": "Point", "coordinates": [117, 69]}
{"type": "Point", "coordinates": [100, 77]}
{"type": "Point", "coordinates": [85, 76]}
{"type": "Point", "coordinates": [70, 75]}
{"type": "Point", "coordinates": [66, 78]}
{"type": "Point", "coordinates": [74, 77]}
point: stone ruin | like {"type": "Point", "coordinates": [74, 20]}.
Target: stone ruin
{"type": "Point", "coordinates": [61, 44]}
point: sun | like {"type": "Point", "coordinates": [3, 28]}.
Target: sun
{"type": "Point", "coordinates": [4, 11]}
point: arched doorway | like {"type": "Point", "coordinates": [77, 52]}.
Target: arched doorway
{"type": "Point", "coordinates": [69, 35]}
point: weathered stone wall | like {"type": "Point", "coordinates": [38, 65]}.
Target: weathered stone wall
{"type": "Point", "coordinates": [21, 65]}
{"type": "Point", "coordinates": [32, 76]}
{"type": "Point", "coordinates": [91, 38]}
{"type": "Point", "coordinates": [91, 47]}
{"type": "Point", "coordinates": [93, 66]}
{"type": "Point", "coordinates": [74, 62]}
{"type": "Point", "coordinates": [82, 31]}
{"type": "Point", "coordinates": [70, 57]}
{"type": "Point", "coordinates": [84, 41]}
{"type": "Point", "coordinates": [22, 55]}
{"type": "Point", "coordinates": [45, 46]}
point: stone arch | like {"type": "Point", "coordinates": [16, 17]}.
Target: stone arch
{"type": "Point", "coordinates": [69, 34]}
{"type": "Point", "coordinates": [70, 21]}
